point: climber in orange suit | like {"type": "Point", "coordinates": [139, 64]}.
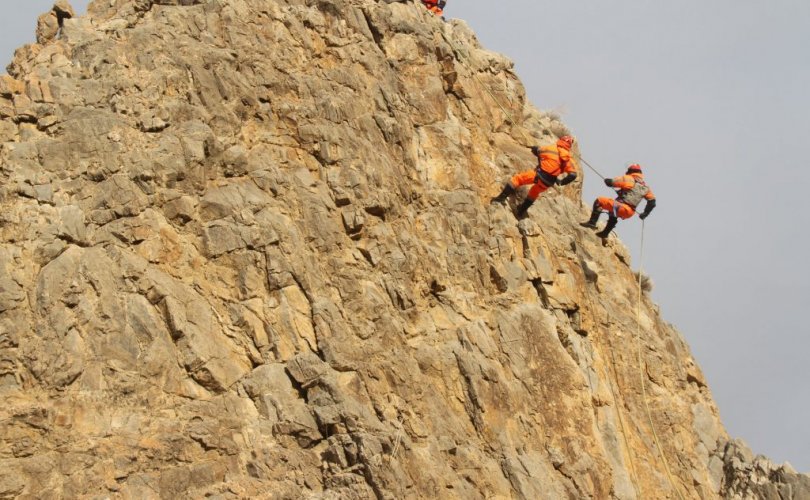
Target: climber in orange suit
{"type": "Point", "coordinates": [631, 189]}
{"type": "Point", "coordinates": [435, 6]}
{"type": "Point", "coordinates": [552, 162]}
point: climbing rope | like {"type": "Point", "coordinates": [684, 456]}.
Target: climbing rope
{"type": "Point", "coordinates": [638, 308]}
{"type": "Point", "coordinates": [589, 166]}
{"type": "Point", "coordinates": [459, 54]}
{"type": "Point", "coordinates": [610, 377]}
{"type": "Point", "coordinates": [642, 375]}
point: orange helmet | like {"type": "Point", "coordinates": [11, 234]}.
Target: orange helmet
{"type": "Point", "coordinates": [634, 168]}
{"type": "Point", "coordinates": [566, 142]}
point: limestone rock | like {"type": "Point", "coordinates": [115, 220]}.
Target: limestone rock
{"type": "Point", "coordinates": [47, 27]}
{"type": "Point", "coordinates": [247, 247]}
{"type": "Point", "coordinates": [63, 9]}
{"type": "Point", "coordinates": [49, 23]}
{"type": "Point", "coordinates": [746, 477]}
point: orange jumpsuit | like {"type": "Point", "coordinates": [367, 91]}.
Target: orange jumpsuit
{"type": "Point", "coordinates": [434, 6]}
{"type": "Point", "coordinates": [552, 161]}
{"type": "Point", "coordinates": [618, 207]}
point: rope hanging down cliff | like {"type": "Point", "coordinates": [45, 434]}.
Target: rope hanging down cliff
{"type": "Point", "coordinates": [459, 54]}
{"type": "Point", "coordinates": [614, 374]}
{"type": "Point", "coordinates": [641, 371]}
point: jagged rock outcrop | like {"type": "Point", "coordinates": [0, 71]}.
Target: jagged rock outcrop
{"type": "Point", "coordinates": [246, 251]}
{"type": "Point", "coordinates": [749, 477]}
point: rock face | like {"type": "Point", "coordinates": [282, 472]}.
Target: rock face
{"type": "Point", "coordinates": [246, 250]}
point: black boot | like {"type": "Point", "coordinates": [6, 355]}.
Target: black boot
{"type": "Point", "coordinates": [521, 211]}
{"type": "Point", "coordinates": [610, 225]}
{"type": "Point", "coordinates": [501, 198]}
{"type": "Point", "coordinates": [594, 217]}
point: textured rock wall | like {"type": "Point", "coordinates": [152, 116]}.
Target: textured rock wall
{"type": "Point", "coordinates": [246, 251]}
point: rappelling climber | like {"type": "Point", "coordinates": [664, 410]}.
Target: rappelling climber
{"type": "Point", "coordinates": [435, 6]}
{"type": "Point", "coordinates": [631, 189]}
{"type": "Point", "coordinates": [552, 161]}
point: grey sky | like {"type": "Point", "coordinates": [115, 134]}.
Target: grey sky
{"type": "Point", "coordinates": [712, 98]}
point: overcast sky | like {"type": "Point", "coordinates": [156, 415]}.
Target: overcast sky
{"type": "Point", "coordinates": [712, 99]}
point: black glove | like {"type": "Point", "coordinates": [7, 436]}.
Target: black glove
{"type": "Point", "coordinates": [568, 179]}
{"type": "Point", "coordinates": [647, 209]}
{"type": "Point", "coordinates": [609, 182]}
{"type": "Point", "coordinates": [442, 3]}
{"type": "Point", "coordinates": [535, 150]}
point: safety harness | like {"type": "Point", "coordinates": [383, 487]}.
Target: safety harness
{"type": "Point", "coordinates": [634, 195]}
{"type": "Point", "coordinates": [546, 178]}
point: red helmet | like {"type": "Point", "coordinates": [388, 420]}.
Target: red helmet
{"type": "Point", "coordinates": [566, 141]}
{"type": "Point", "coordinates": [634, 168]}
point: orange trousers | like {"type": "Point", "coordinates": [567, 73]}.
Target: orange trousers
{"type": "Point", "coordinates": [617, 208]}
{"type": "Point", "coordinates": [526, 178]}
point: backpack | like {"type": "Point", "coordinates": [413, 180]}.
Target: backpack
{"type": "Point", "coordinates": [634, 195]}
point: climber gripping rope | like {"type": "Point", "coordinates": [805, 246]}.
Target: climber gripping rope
{"type": "Point", "coordinates": [631, 189]}
{"type": "Point", "coordinates": [552, 162]}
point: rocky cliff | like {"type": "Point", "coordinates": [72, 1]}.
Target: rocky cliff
{"type": "Point", "coordinates": [246, 251]}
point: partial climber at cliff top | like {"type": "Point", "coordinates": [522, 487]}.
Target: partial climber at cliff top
{"type": "Point", "coordinates": [435, 6]}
